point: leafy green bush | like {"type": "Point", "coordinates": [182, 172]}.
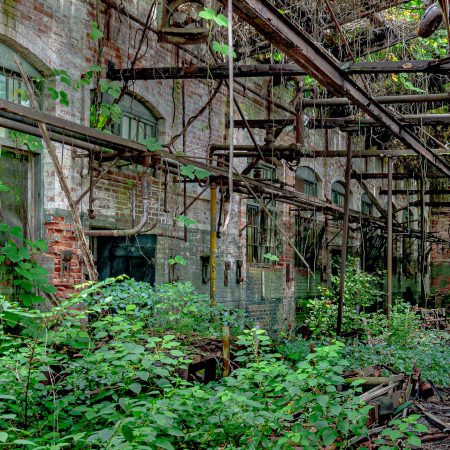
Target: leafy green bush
{"type": "Point", "coordinates": [86, 378]}
{"type": "Point", "coordinates": [362, 292]}
{"type": "Point", "coordinates": [167, 307]}
{"type": "Point", "coordinates": [18, 256]}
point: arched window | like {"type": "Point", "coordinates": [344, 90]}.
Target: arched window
{"type": "Point", "coordinates": [11, 84]}
{"type": "Point", "coordinates": [366, 205]}
{"type": "Point", "coordinates": [137, 123]}
{"type": "Point", "coordinates": [307, 181]}
{"type": "Point", "coordinates": [338, 193]}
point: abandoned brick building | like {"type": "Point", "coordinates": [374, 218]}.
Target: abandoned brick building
{"type": "Point", "coordinates": [131, 205]}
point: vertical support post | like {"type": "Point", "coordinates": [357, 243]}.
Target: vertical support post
{"type": "Point", "coordinates": [389, 242]}
{"type": "Point", "coordinates": [348, 172]}
{"type": "Point", "coordinates": [226, 350]}
{"type": "Point", "coordinates": [213, 247]}
{"type": "Point", "coordinates": [422, 258]}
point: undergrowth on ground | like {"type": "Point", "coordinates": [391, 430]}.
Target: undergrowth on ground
{"type": "Point", "coordinates": [92, 373]}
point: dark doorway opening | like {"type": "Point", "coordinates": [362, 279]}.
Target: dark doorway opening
{"type": "Point", "coordinates": [134, 256]}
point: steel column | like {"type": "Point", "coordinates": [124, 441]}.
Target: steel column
{"type": "Point", "coordinates": [345, 232]}
{"type": "Point", "coordinates": [389, 241]}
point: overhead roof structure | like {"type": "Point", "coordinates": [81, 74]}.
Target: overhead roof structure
{"type": "Point", "coordinates": [295, 42]}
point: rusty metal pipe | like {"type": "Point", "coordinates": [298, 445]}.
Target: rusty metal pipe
{"type": "Point", "coordinates": [132, 231]}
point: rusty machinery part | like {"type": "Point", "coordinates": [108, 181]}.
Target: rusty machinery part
{"type": "Point", "coordinates": [180, 24]}
{"type": "Point", "coordinates": [430, 21]}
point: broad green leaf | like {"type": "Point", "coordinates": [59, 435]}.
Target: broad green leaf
{"type": "Point", "coordinates": [95, 33]}
{"type": "Point", "coordinates": [127, 433]}
{"type": "Point", "coordinates": [188, 171]}
{"type": "Point", "coordinates": [3, 436]}
{"type": "Point", "coordinates": [135, 387]}
{"type": "Point", "coordinates": [329, 435]}
{"type": "Point", "coordinates": [202, 173]}
{"type": "Point", "coordinates": [143, 375]}
{"type": "Point", "coordinates": [221, 20]}
{"type": "Point", "coordinates": [54, 94]}
{"type": "Point", "coordinates": [414, 440]}
{"type": "Point", "coordinates": [152, 144]}
{"type": "Point", "coordinates": [208, 14]}
{"type": "Point", "coordinates": [63, 98]}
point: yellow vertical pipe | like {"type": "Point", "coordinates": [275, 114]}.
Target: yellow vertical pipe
{"type": "Point", "coordinates": [213, 247]}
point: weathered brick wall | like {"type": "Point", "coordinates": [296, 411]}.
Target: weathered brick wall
{"type": "Point", "coordinates": [54, 34]}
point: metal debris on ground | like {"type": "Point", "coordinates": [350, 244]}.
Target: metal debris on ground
{"type": "Point", "coordinates": [399, 395]}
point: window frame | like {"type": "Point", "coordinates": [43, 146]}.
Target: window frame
{"type": "Point", "coordinates": [33, 227]}
{"type": "Point", "coordinates": [261, 236]}
{"type": "Point", "coordinates": [366, 205]}
{"type": "Point", "coordinates": [338, 196]}
{"type": "Point", "coordinates": [135, 110]}
{"type": "Point", "coordinates": [307, 185]}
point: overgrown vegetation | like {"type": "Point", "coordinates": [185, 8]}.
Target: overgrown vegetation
{"type": "Point", "coordinates": [93, 373]}
{"type": "Point", "coordinates": [106, 369]}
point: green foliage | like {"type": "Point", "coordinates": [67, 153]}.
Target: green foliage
{"type": "Point", "coordinates": [19, 258]}
{"type": "Point", "coordinates": [401, 432]}
{"type": "Point", "coordinates": [270, 257]}
{"type": "Point", "coordinates": [108, 376]}
{"type": "Point", "coordinates": [223, 49]}
{"type": "Point", "coordinates": [110, 87]}
{"type": "Point", "coordinates": [362, 290]}
{"type": "Point", "coordinates": [192, 172]}
{"type": "Point", "coordinates": [33, 143]}
{"type": "Point", "coordinates": [152, 144]}
{"type": "Point", "coordinates": [177, 260]}
{"type": "Point", "coordinates": [210, 14]}
{"type": "Point", "coordinates": [185, 220]}
{"type": "Point", "coordinates": [95, 33]}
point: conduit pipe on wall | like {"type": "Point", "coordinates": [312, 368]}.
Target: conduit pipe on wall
{"type": "Point", "coordinates": [146, 188]}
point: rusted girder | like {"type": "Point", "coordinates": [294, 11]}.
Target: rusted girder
{"type": "Point", "coordinates": [220, 72]}
{"type": "Point", "coordinates": [416, 192]}
{"type": "Point", "coordinates": [296, 44]}
{"type": "Point", "coordinates": [395, 176]}
{"type": "Point", "coordinates": [305, 152]}
{"type": "Point", "coordinates": [347, 122]}
{"type": "Point", "coordinates": [383, 100]}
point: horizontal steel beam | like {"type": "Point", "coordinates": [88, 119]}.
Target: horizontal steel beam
{"type": "Point", "coordinates": [395, 176]}
{"type": "Point", "coordinates": [347, 122]}
{"type": "Point", "coordinates": [382, 100]}
{"type": "Point", "coordinates": [416, 192]}
{"type": "Point", "coordinates": [297, 45]}
{"type": "Point", "coordinates": [271, 70]}
{"type": "Point", "coordinates": [294, 149]}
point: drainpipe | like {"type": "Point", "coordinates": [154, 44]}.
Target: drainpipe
{"type": "Point", "coordinates": [146, 189]}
